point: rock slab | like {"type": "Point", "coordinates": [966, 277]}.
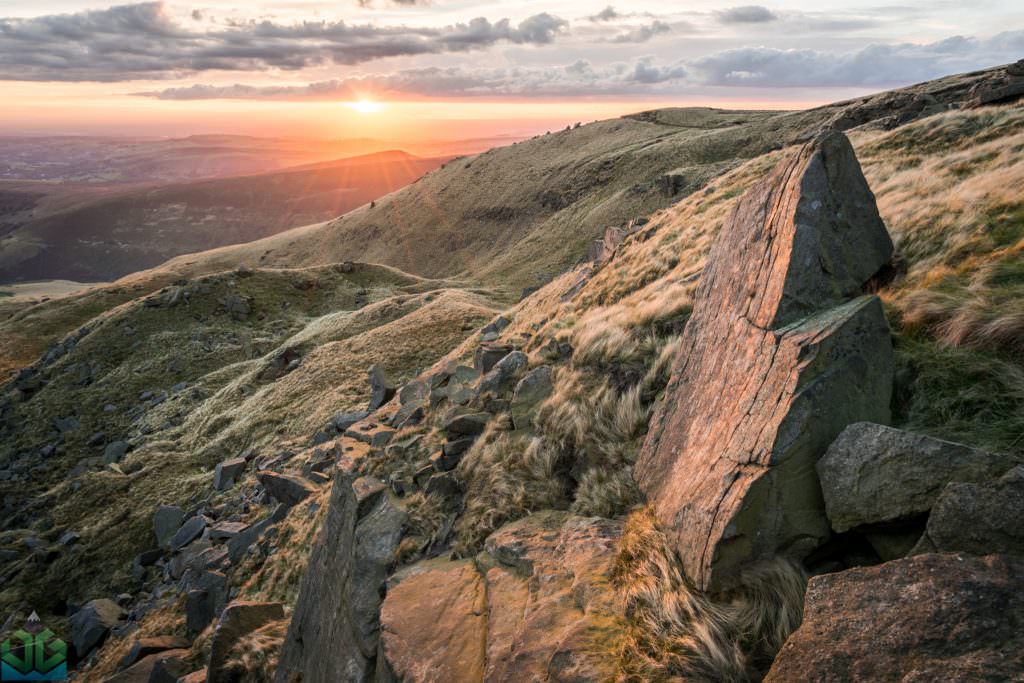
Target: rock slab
{"type": "Point", "coordinates": [927, 618]}
{"type": "Point", "coordinates": [781, 353]}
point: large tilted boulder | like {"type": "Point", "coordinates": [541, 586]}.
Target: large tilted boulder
{"type": "Point", "coordinates": [926, 618]}
{"type": "Point", "coordinates": [873, 474]}
{"type": "Point", "coordinates": [782, 352]}
{"type": "Point", "coordinates": [334, 629]}
{"type": "Point", "coordinates": [536, 606]}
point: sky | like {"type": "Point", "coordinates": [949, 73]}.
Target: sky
{"type": "Point", "coordinates": [450, 69]}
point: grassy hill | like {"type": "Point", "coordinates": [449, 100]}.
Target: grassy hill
{"type": "Point", "coordinates": [88, 235]}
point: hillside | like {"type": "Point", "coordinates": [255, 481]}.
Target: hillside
{"type": "Point", "coordinates": [85, 234]}
{"type": "Point", "coordinates": [516, 216]}
{"type": "Point", "coordinates": [204, 432]}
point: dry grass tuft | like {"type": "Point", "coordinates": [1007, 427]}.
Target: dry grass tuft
{"type": "Point", "coordinates": [678, 633]}
{"type": "Point", "coordinates": [254, 657]}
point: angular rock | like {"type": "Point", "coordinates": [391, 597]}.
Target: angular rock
{"type": "Point", "coordinates": [226, 473]}
{"type": "Point", "coordinates": [205, 600]}
{"type": "Point", "coordinates": [285, 488]}
{"type": "Point", "coordinates": [874, 474]}
{"type": "Point", "coordinates": [189, 531]}
{"type": "Point", "coordinates": [487, 356]}
{"type": "Point", "coordinates": [91, 624]}
{"type": "Point", "coordinates": [417, 391]}
{"type": "Point", "coordinates": [115, 451]}
{"type": "Point", "coordinates": [368, 491]}
{"type": "Point", "coordinates": [496, 326]}
{"type": "Point", "coordinates": [979, 518]}
{"type": "Point", "coordinates": [226, 530]}
{"type": "Point", "coordinates": [442, 484]}
{"type": "Point", "coordinates": [382, 389]}
{"type": "Point", "coordinates": [926, 618]}
{"type": "Point", "coordinates": [530, 392]}
{"type": "Point", "coordinates": [502, 376]}
{"type": "Point", "coordinates": [537, 606]}
{"type": "Point", "coordinates": [166, 521]}
{"type": "Point", "coordinates": [462, 426]}
{"type": "Point", "coordinates": [238, 620]}
{"type": "Point", "coordinates": [780, 354]}
{"type": "Point", "coordinates": [343, 421]}
{"type": "Point", "coordinates": [371, 431]}
{"type": "Point", "coordinates": [335, 624]}
{"type": "Point", "coordinates": [996, 90]}
{"type": "Point", "coordinates": [161, 667]}
{"type": "Point", "coordinates": [143, 647]}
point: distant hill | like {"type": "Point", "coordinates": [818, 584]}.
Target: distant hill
{"type": "Point", "coordinates": [85, 233]}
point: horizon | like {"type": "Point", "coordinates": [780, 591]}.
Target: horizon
{"type": "Point", "coordinates": [395, 69]}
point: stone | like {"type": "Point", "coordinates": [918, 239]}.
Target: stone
{"type": "Point", "coordinates": [382, 389]}
{"type": "Point", "coordinates": [223, 531]}
{"type": "Point", "coordinates": [462, 426]}
{"type": "Point", "coordinates": [408, 415]}
{"type": "Point", "coordinates": [496, 326]}
{"type": "Point", "coordinates": [238, 620]}
{"type": "Point", "coordinates": [873, 474]}
{"type": "Point", "coordinates": [161, 667]}
{"type": "Point", "coordinates": [502, 376]}
{"type": "Point", "coordinates": [194, 677]}
{"type": "Point", "coordinates": [368, 491]}
{"type": "Point", "coordinates": [239, 307]}
{"type": "Point", "coordinates": [115, 451]}
{"type": "Point", "coordinates": [487, 356]}
{"type": "Point", "coordinates": [335, 623]}
{"type": "Point", "coordinates": [1016, 69]}
{"type": "Point", "coordinates": [417, 391]}
{"type": "Point", "coordinates": [226, 473]}
{"type": "Point", "coordinates": [286, 489]}
{"type": "Point", "coordinates": [978, 518]}
{"type": "Point", "coordinates": [530, 392]}
{"type": "Point", "coordinates": [537, 605]}
{"type": "Point", "coordinates": [205, 600]}
{"type": "Point", "coordinates": [372, 432]}
{"type": "Point", "coordinates": [442, 484]}
{"type": "Point", "coordinates": [166, 521]}
{"type": "Point", "coordinates": [447, 459]}
{"type": "Point", "coordinates": [781, 353]}
{"type": "Point", "coordinates": [343, 421]}
{"type": "Point", "coordinates": [996, 90]}
{"type": "Point", "coordinates": [239, 544]}
{"type": "Point", "coordinates": [926, 618]}
{"type": "Point", "coordinates": [189, 531]}
{"type": "Point", "coordinates": [91, 624]}
{"type": "Point", "coordinates": [143, 647]}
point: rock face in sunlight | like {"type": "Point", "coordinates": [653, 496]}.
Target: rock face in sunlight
{"type": "Point", "coordinates": [781, 353]}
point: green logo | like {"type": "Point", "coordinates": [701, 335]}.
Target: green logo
{"type": "Point", "coordinates": [39, 656]}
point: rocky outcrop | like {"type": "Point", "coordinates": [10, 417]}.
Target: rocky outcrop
{"type": "Point", "coordinates": [926, 618]}
{"type": "Point", "coordinates": [537, 605]}
{"type": "Point", "coordinates": [782, 352]}
{"type": "Point", "coordinates": [334, 628]}
{"type": "Point", "coordinates": [873, 474]}
{"type": "Point", "coordinates": [1004, 87]}
{"type": "Point", "coordinates": [91, 624]}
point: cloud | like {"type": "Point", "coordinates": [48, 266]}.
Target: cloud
{"type": "Point", "coordinates": [609, 13]}
{"type": "Point", "coordinates": [747, 14]}
{"type": "Point", "coordinates": [641, 34]}
{"type": "Point", "coordinates": [874, 65]}
{"type": "Point", "coordinates": [750, 67]}
{"type": "Point", "coordinates": [579, 78]}
{"type": "Point", "coordinates": [141, 41]}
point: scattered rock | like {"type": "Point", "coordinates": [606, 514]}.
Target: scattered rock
{"type": "Point", "coordinates": [780, 354]}
{"type": "Point", "coordinates": [382, 389]}
{"type": "Point", "coordinates": [285, 488]}
{"type": "Point", "coordinates": [226, 530]}
{"type": "Point", "coordinates": [487, 356]}
{"type": "Point", "coordinates": [343, 421]}
{"type": "Point", "coordinates": [143, 647]}
{"type": "Point", "coordinates": [503, 374]}
{"type": "Point", "coordinates": [530, 392]}
{"type": "Point", "coordinates": [189, 531]}
{"type": "Point", "coordinates": [115, 451]}
{"type": "Point", "coordinates": [372, 432]}
{"type": "Point", "coordinates": [166, 521]}
{"type": "Point", "coordinates": [978, 518]}
{"type": "Point", "coordinates": [368, 491]}
{"type": "Point", "coordinates": [205, 600]}
{"type": "Point", "coordinates": [462, 426]}
{"type": "Point", "coordinates": [239, 307]}
{"type": "Point", "coordinates": [91, 624]}
{"type": "Point", "coordinates": [239, 619]}
{"type": "Point", "coordinates": [926, 618]}
{"type": "Point", "coordinates": [442, 484]}
{"type": "Point", "coordinates": [496, 326]}
{"type": "Point", "coordinates": [226, 473]}
{"type": "Point", "coordinates": [162, 667]}
{"type": "Point", "coordinates": [874, 474]}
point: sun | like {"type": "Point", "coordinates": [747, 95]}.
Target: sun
{"type": "Point", "coordinates": [365, 106]}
